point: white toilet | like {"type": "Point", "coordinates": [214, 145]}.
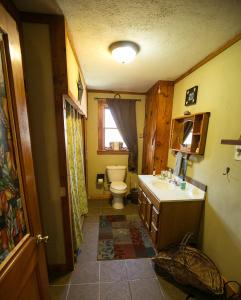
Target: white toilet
{"type": "Point", "coordinates": [116, 175]}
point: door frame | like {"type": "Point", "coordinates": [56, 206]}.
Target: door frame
{"type": "Point", "coordinates": [57, 31]}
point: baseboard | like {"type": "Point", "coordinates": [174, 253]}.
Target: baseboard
{"type": "Point", "coordinates": [57, 269]}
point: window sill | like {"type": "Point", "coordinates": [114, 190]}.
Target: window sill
{"type": "Point", "coordinates": [113, 152]}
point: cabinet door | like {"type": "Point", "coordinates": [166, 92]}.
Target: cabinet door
{"type": "Point", "coordinates": [141, 200]}
{"type": "Point", "coordinates": [154, 234]}
{"type": "Point", "coordinates": [148, 212]}
{"type": "Point", "coordinates": [155, 217]}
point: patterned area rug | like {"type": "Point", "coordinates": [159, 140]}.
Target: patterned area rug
{"type": "Point", "coordinates": [123, 237]}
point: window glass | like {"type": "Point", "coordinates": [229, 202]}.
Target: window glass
{"type": "Point", "coordinates": [111, 133]}
{"type": "Point", "coordinates": [109, 121]}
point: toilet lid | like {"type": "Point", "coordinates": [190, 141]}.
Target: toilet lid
{"type": "Point", "coordinates": [118, 185]}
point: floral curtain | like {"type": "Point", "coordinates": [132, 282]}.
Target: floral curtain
{"type": "Point", "coordinates": [76, 172]}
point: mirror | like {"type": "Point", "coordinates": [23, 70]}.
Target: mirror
{"type": "Point", "coordinates": [187, 133]}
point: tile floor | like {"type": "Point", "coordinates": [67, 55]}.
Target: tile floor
{"type": "Point", "coordinates": [110, 280]}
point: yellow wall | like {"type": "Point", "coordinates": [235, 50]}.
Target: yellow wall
{"type": "Point", "coordinates": [38, 75]}
{"type": "Point", "coordinates": [73, 72]}
{"type": "Point", "coordinates": [97, 163]}
{"type": "Point", "coordinates": [219, 93]}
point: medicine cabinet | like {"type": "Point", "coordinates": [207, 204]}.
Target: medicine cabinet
{"type": "Point", "coordinates": [188, 133]}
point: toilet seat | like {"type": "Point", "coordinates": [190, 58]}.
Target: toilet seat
{"type": "Point", "coordinates": [118, 186]}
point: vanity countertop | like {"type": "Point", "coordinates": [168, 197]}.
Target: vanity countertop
{"type": "Point", "coordinates": [167, 191]}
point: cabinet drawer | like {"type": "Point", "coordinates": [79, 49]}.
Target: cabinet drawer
{"type": "Point", "coordinates": [154, 234]}
{"type": "Point", "coordinates": [155, 216]}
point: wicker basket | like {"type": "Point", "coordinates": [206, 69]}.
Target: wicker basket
{"type": "Point", "coordinates": [191, 267]}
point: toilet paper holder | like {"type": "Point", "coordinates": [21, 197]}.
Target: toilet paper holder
{"type": "Point", "coordinates": [100, 178]}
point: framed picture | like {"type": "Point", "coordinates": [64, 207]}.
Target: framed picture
{"type": "Point", "coordinates": [191, 96]}
{"type": "Point", "coordinates": [12, 220]}
{"type": "Point", "coordinates": [80, 89]}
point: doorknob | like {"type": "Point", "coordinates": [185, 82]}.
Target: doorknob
{"type": "Point", "coordinates": [41, 239]}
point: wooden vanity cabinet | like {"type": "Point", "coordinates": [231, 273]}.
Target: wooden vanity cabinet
{"type": "Point", "coordinates": [168, 222]}
{"type": "Point", "coordinates": [145, 209]}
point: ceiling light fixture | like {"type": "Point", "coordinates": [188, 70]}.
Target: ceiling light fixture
{"type": "Point", "coordinates": [124, 51]}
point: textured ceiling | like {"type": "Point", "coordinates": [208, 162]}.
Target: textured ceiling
{"type": "Point", "coordinates": [173, 36]}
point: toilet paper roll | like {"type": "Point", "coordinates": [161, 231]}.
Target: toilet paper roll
{"type": "Point", "coordinates": [100, 181]}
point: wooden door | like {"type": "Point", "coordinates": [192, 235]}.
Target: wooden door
{"type": "Point", "coordinates": [23, 273]}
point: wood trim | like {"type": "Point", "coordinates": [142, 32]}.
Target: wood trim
{"type": "Point", "coordinates": [73, 103]}
{"type": "Point", "coordinates": [101, 106]}
{"type": "Point", "coordinates": [113, 152]}
{"type": "Point", "coordinates": [30, 17]}
{"type": "Point", "coordinates": [114, 92]}
{"type": "Point", "coordinates": [59, 65]}
{"type": "Point", "coordinates": [160, 82]}
{"type": "Point", "coordinates": [11, 9]}
{"type": "Point", "coordinates": [83, 121]}
{"type": "Point", "coordinates": [213, 54]}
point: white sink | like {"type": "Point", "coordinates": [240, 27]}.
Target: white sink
{"type": "Point", "coordinates": [163, 184]}
{"type": "Point", "coordinates": [168, 191]}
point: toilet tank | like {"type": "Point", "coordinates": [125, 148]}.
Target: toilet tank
{"type": "Point", "coordinates": [116, 173]}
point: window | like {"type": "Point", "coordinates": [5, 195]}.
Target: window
{"type": "Point", "coordinates": [108, 132]}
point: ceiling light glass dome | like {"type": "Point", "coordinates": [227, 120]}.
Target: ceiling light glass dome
{"type": "Point", "coordinates": [124, 51]}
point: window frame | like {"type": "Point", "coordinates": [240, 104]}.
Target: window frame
{"type": "Point", "coordinates": [102, 105]}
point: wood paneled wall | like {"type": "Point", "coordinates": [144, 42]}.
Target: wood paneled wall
{"type": "Point", "coordinates": [157, 127]}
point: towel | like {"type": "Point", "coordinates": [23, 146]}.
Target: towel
{"type": "Point", "coordinates": [178, 165]}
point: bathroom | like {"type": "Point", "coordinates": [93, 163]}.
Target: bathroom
{"type": "Point", "coordinates": [82, 182]}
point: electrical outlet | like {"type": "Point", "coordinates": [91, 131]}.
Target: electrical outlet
{"type": "Point", "coordinates": [237, 154]}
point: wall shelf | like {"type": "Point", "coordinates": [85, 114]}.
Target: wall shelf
{"type": "Point", "coordinates": [197, 125]}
